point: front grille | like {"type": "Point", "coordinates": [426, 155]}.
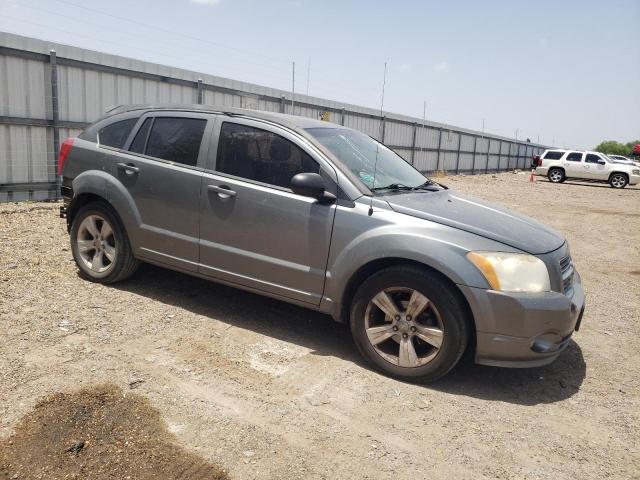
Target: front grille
{"type": "Point", "coordinates": [566, 269]}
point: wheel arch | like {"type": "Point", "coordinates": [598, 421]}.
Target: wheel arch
{"type": "Point", "coordinates": [373, 266]}
{"type": "Point", "coordinates": [80, 201]}
{"type": "Point", "coordinates": [95, 185]}
{"type": "Point", "coordinates": [557, 167]}
{"type": "Point", "coordinates": [617, 172]}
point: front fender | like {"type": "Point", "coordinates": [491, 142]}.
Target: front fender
{"type": "Point", "coordinates": [108, 187]}
{"type": "Point", "coordinates": [393, 235]}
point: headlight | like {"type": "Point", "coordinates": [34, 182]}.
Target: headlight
{"type": "Point", "coordinates": [635, 172]}
{"type": "Point", "coordinates": [512, 272]}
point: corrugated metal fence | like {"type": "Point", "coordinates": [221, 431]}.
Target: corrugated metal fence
{"type": "Point", "coordinates": [51, 91]}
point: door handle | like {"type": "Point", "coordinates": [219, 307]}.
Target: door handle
{"type": "Point", "coordinates": [223, 191]}
{"type": "Point", "coordinates": [128, 168]}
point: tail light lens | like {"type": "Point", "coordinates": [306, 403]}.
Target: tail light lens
{"type": "Point", "coordinates": [65, 148]}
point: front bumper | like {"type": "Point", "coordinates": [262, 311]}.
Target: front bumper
{"type": "Point", "coordinates": [524, 329]}
{"type": "Point", "coordinates": [634, 179]}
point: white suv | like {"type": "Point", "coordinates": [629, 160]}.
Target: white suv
{"type": "Point", "coordinates": [559, 165]}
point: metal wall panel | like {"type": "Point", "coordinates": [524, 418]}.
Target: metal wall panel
{"type": "Point", "coordinates": [221, 99]}
{"type": "Point", "coordinates": [466, 143]}
{"type": "Point", "coordinates": [427, 137]}
{"type": "Point", "coordinates": [450, 140]}
{"type": "Point", "coordinates": [25, 155]}
{"type": "Point", "coordinates": [404, 153]}
{"type": "Point", "coordinates": [481, 163]}
{"type": "Point", "coordinates": [89, 83]}
{"type": "Point", "coordinates": [398, 134]}
{"type": "Point", "coordinates": [370, 126]}
{"type": "Point", "coordinates": [482, 145]}
{"type": "Point", "coordinates": [448, 161]}
{"type": "Point", "coordinates": [466, 160]}
{"type": "Point", "coordinates": [426, 161]}
{"type": "Point", "coordinates": [22, 88]}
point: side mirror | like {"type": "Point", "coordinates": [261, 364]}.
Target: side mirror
{"type": "Point", "coordinates": [601, 162]}
{"type": "Point", "coordinates": [311, 185]}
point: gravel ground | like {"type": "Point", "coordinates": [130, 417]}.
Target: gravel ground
{"type": "Point", "coordinates": [269, 390]}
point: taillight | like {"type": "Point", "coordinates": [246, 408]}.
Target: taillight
{"type": "Point", "coordinates": [65, 148]}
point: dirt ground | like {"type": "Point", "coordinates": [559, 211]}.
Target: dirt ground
{"type": "Point", "coordinates": [269, 390]}
{"type": "Point", "coordinates": [99, 432]}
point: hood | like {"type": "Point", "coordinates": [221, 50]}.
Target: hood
{"type": "Point", "coordinates": [476, 216]}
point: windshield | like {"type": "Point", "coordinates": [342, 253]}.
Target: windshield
{"type": "Point", "coordinates": [358, 152]}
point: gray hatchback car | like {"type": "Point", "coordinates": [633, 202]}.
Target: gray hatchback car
{"type": "Point", "coordinates": [325, 217]}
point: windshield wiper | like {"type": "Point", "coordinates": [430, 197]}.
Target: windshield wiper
{"type": "Point", "coordinates": [429, 185]}
{"type": "Point", "coordinates": [392, 186]}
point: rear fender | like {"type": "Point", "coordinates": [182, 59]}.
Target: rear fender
{"type": "Point", "coordinates": [109, 188]}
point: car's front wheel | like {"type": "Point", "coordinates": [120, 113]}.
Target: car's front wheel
{"type": "Point", "coordinates": [618, 180]}
{"type": "Point", "coordinates": [409, 323]}
{"type": "Point", "coordinates": [100, 245]}
{"type": "Point", "coordinates": [556, 175]}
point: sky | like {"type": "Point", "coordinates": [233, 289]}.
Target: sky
{"type": "Point", "coordinates": [564, 73]}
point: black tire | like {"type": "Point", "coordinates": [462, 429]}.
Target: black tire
{"type": "Point", "coordinates": [123, 265]}
{"type": "Point", "coordinates": [618, 180]}
{"type": "Point", "coordinates": [556, 175]}
{"type": "Point", "coordinates": [449, 306]}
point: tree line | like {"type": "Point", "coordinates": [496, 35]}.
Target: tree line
{"type": "Point", "coordinates": [616, 148]}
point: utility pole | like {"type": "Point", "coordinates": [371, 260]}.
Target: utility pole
{"type": "Point", "coordinates": [424, 117]}
{"type": "Point", "coordinates": [308, 73]}
{"type": "Point", "coordinates": [483, 126]}
{"type": "Point", "coordinates": [293, 87]}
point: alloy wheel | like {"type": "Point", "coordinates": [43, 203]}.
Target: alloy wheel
{"type": "Point", "coordinates": [555, 176]}
{"type": "Point", "coordinates": [96, 243]}
{"type": "Point", "coordinates": [404, 327]}
{"type": "Point", "coordinates": [618, 181]}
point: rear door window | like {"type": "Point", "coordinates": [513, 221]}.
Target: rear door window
{"type": "Point", "coordinates": [574, 157]}
{"type": "Point", "coordinates": [553, 155]}
{"type": "Point", "coordinates": [176, 139]}
{"type": "Point", "coordinates": [115, 134]}
{"type": "Point", "coordinates": [261, 156]}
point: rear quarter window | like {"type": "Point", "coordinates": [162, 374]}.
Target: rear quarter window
{"type": "Point", "coordinates": [115, 134]}
{"type": "Point", "coordinates": [553, 156]}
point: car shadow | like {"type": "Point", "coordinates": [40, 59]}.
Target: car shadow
{"type": "Point", "coordinates": [524, 386]}
{"type": "Point", "coordinates": [325, 337]}
{"type": "Point", "coordinates": [628, 188]}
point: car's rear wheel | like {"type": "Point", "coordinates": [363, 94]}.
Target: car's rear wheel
{"type": "Point", "coordinates": [556, 175]}
{"type": "Point", "coordinates": [100, 245]}
{"type": "Point", "coordinates": [409, 323]}
{"type": "Point", "coordinates": [618, 180]}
